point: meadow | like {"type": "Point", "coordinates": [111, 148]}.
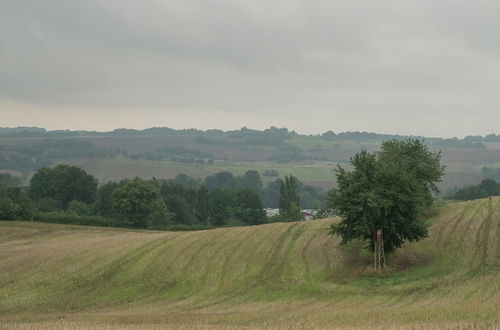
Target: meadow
{"type": "Point", "coordinates": [280, 275]}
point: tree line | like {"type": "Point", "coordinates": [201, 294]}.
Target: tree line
{"type": "Point", "coordinates": [68, 194]}
{"type": "Point", "coordinates": [487, 187]}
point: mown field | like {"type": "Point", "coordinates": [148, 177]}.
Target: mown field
{"type": "Point", "coordinates": [281, 275]}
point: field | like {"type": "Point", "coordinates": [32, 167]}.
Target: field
{"type": "Point", "coordinates": [315, 166]}
{"type": "Point", "coordinates": [290, 275]}
{"type": "Point", "coordinates": [319, 174]}
{"type": "Point", "coordinates": [463, 166]}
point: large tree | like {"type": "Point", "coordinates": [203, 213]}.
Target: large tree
{"type": "Point", "coordinates": [63, 183]}
{"type": "Point", "coordinates": [249, 208]}
{"type": "Point", "coordinates": [386, 190]}
{"type": "Point", "coordinates": [289, 199]}
{"type": "Point", "coordinates": [139, 204]}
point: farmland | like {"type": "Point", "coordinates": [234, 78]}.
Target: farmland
{"type": "Point", "coordinates": [320, 173]}
{"type": "Point", "coordinates": [313, 159]}
{"type": "Point", "coordinates": [275, 275]}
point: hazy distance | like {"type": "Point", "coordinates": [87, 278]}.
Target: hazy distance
{"type": "Point", "coordinates": [407, 67]}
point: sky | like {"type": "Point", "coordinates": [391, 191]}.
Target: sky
{"type": "Point", "coordinates": [425, 67]}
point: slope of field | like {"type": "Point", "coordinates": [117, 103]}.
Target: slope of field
{"type": "Point", "coordinates": [278, 275]}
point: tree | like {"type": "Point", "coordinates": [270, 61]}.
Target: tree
{"type": "Point", "coordinates": [386, 190]}
{"type": "Point", "coordinates": [221, 207]}
{"type": "Point", "coordinates": [15, 204]}
{"type": "Point", "coordinates": [487, 187]}
{"type": "Point", "coordinates": [63, 183]}
{"type": "Point", "coordinates": [220, 180]}
{"type": "Point", "coordinates": [251, 180]}
{"type": "Point", "coordinates": [289, 200]}
{"type": "Point", "coordinates": [249, 207]}
{"type": "Point", "coordinates": [8, 180]}
{"type": "Point", "coordinates": [179, 200]}
{"type": "Point", "coordinates": [8, 209]}
{"type": "Point", "coordinates": [271, 194]}
{"type": "Point", "coordinates": [202, 206]}
{"type": "Point", "coordinates": [104, 203]}
{"type": "Point", "coordinates": [139, 204]}
{"type": "Point", "coordinates": [187, 181]}
{"type": "Point", "coordinates": [414, 157]}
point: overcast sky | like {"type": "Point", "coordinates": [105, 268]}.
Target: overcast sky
{"type": "Point", "coordinates": [425, 67]}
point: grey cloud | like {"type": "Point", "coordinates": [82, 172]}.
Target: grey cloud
{"type": "Point", "coordinates": [354, 60]}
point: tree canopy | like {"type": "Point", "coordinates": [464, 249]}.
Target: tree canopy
{"type": "Point", "coordinates": [487, 187]}
{"type": "Point", "coordinates": [386, 190]}
{"type": "Point", "coordinates": [140, 204]}
{"type": "Point", "coordinates": [63, 183]}
{"type": "Point", "coordinates": [289, 199]}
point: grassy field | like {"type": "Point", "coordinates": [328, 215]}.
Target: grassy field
{"type": "Point", "coordinates": [319, 174]}
{"type": "Point", "coordinates": [282, 275]}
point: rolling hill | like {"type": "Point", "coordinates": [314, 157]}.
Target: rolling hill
{"type": "Point", "coordinates": [276, 275]}
{"type": "Point", "coordinates": [164, 153]}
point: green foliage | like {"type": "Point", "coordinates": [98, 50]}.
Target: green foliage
{"type": "Point", "coordinates": [487, 187]}
{"type": "Point", "coordinates": [8, 180]}
{"type": "Point", "coordinates": [202, 205]}
{"type": "Point", "coordinates": [139, 204]}
{"type": "Point", "coordinates": [8, 209]}
{"type": "Point", "coordinates": [15, 204]}
{"type": "Point", "coordinates": [221, 208]}
{"type": "Point", "coordinates": [63, 183]}
{"type": "Point", "coordinates": [104, 203]}
{"type": "Point", "coordinates": [47, 205]}
{"type": "Point", "coordinates": [179, 200]}
{"type": "Point", "coordinates": [492, 173]}
{"type": "Point", "coordinates": [249, 209]}
{"type": "Point", "coordinates": [79, 207]}
{"type": "Point", "coordinates": [224, 180]}
{"type": "Point", "coordinates": [386, 190]}
{"type": "Point", "coordinates": [187, 181]}
{"type": "Point", "coordinates": [271, 172]}
{"type": "Point", "coordinates": [413, 156]}
{"type": "Point", "coordinates": [251, 180]}
{"type": "Point", "coordinates": [289, 200]}
{"type": "Point", "coordinates": [75, 219]}
{"type": "Point", "coordinates": [271, 194]}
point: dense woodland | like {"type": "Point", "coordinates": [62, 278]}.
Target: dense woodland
{"type": "Point", "coordinates": [487, 188]}
{"type": "Point", "coordinates": [67, 194]}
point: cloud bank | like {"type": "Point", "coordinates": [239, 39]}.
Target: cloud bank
{"type": "Point", "coordinates": [408, 67]}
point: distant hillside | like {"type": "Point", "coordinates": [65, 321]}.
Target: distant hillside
{"type": "Point", "coordinates": [164, 152]}
{"type": "Point", "coordinates": [276, 275]}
